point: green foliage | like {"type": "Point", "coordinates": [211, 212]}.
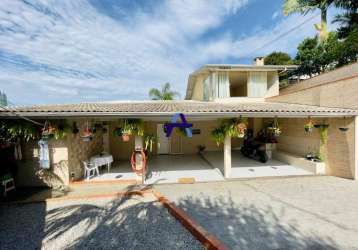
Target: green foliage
{"type": "Point", "coordinates": [132, 126]}
{"type": "Point", "coordinates": [314, 57]}
{"type": "Point", "coordinates": [164, 94]}
{"type": "Point", "coordinates": [218, 135]}
{"type": "Point", "coordinates": [305, 6]}
{"type": "Point", "coordinates": [12, 130]}
{"type": "Point", "coordinates": [62, 130]}
{"type": "Point", "coordinates": [278, 58]}
{"type": "Point", "coordinates": [229, 127]}
{"type": "Point", "coordinates": [348, 20]}
{"type": "Point", "coordinates": [348, 50]}
{"type": "Point", "coordinates": [117, 132]}
{"type": "Point", "coordinates": [323, 134]}
{"type": "Point", "coordinates": [149, 140]}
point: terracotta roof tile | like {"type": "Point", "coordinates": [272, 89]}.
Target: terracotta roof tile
{"type": "Point", "coordinates": [151, 107]}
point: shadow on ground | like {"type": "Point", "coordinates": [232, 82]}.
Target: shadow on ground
{"type": "Point", "coordinates": [249, 227]}
{"type": "Point", "coordinates": [126, 222]}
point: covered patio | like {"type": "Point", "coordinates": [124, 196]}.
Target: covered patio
{"type": "Point", "coordinates": [165, 169]}
{"type": "Point", "coordinates": [204, 167]}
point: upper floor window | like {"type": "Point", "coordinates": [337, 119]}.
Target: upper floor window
{"type": "Point", "coordinates": [216, 85]}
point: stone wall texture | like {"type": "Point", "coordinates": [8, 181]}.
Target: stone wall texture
{"type": "Point", "coordinates": [66, 157]}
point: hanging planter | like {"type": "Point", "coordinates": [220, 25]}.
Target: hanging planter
{"type": "Point", "coordinates": [241, 129]}
{"type": "Point", "coordinates": [48, 131]}
{"type": "Point", "coordinates": [87, 134]}
{"type": "Point", "coordinates": [132, 126]}
{"type": "Point", "coordinates": [345, 128]}
{"type": "Point", "coordinates": [274, 129]}
{"type": "Point", "coordinates": [309, 126]}
{"type": "Point", "coordinates": [125, 137]}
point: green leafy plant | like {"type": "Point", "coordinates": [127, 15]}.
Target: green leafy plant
{"type": "Point", "coordinates": [133, 126]}
{"type": "Point", "coordinates": [117, 131]}
{"type": "Point", "coordinates": [273, 128]}
{"type": "Point", "coordinates": [309, 126]}
{"type": "Point", "coordinates": [62, 130]}
{"type": "Point", "coordinates": [13, 130]}
{"type": "Point", "coordinates": [229, 127]}
{"type": "Point", "coordinates": [149, 140]}
{"type": "Point", "coordinates": [323, 134]}
{"type": "Point", "coordinates": [218, 135]}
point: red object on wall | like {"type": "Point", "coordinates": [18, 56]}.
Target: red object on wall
{"type": "Point", "coordinates": [139, 171]}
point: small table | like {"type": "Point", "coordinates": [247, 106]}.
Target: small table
{"type": "Point", "coordinates": [101, 160]}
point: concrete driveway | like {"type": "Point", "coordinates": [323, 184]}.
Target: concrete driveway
{"type": "Point", "coordinates": [283, 213]}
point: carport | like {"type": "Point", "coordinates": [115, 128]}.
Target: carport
{"type": "Point", "coordinates": [166, 169]}
{"type": "Point", "coordinates": [242, 167]}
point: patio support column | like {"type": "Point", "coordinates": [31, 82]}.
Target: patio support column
{"type": "Point", "coordinates": [227, 156]}
{"type": "Point", "coordinates": [355, 148]}
{"type": "Point", "coordinates": [138, 145]}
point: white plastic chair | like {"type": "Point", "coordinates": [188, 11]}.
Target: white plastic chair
{"type": "Point", "coordinates": [90, 170]}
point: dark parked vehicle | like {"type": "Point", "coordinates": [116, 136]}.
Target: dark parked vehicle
{"type": "Point", "coordinates": [254, 149]}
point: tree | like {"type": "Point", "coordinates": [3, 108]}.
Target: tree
{"type": "Point", "coordinates": [305, 6]}
{"type": "Point", "coordinates": [164, 94]}
{"type": "Point", "coordinates": [278, 58]}
{"type": "Point", "coordinates": [349, 19]}
{"type": "Point", "coordinates": [314, 57]}
{"type": "Point", "coordinates": [348, 52]}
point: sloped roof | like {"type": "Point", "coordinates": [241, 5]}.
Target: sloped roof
{"type": "Point", "coordinates": [148, 108]}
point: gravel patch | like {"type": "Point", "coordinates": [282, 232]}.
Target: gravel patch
{"type": "Point", "coordinates": [121, 223]}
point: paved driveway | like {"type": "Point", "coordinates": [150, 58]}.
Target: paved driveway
{"type": "Point", "coordinates": [121, 223]}
{"type": "Point", "coordinates": [284, 213]}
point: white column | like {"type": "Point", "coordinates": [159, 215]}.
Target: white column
{"type": "Point", "coordinates": [356, 148]}
{"type": "Point", "coordinates": [138, 145]}
{"type": "Point", "coordinates": [227, 157]}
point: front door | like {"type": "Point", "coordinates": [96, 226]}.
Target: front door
{"type": "Point", "coordinates": [163, 147]}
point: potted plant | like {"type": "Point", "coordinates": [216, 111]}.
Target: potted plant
{"type": "Point", "coordinates": [63, 129]}
{"type": "Point", "coordinates": [48, 131]}
{"type": "Point", "coordinates": [126, 130]}
{"type": "Point", "coordinates": [132, 126]}
{"type": "Point", "coordinates": [241, 128]}
{"type": "Point", "coordinates": [309, 126]}
{"type": "Point", "coordinates": [344, 128]}
{"type": "Point", "coordinates": [87, 134]}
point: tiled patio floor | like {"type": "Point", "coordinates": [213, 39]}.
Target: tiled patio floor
{"type": "Point", "coordinates": [165, 169]}
{"type": "Point", "coordinates": [243, 167]}
{"type": "Point", "coordinates": [170, 168]}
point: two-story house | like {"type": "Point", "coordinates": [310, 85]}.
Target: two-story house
{"type": "Point", "coordinates": [214, 92]}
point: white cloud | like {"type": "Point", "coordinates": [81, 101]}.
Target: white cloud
{"type": "Point", "coordinates": [72, 52]}
{"type": "Point", "coordinates": [276, 14]}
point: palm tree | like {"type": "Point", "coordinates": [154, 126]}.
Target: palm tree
{"type": "Point", "coordinates": [348, 20]}
{"type": "Point", "coordinates": [164, 94]}
{"type": "Point", "coordinates": [305, 6]}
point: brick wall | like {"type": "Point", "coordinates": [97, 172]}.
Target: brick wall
{"type": "Point", "coordinates": [338, 88]}
{"type": "Point", "coordinates": [339, 150]}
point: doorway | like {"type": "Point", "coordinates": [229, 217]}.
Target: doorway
{"type": "Point", "coordinates": [163, 145]}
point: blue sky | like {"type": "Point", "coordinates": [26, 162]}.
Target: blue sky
{"type": "Point", "coordinates": [73, 51]}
